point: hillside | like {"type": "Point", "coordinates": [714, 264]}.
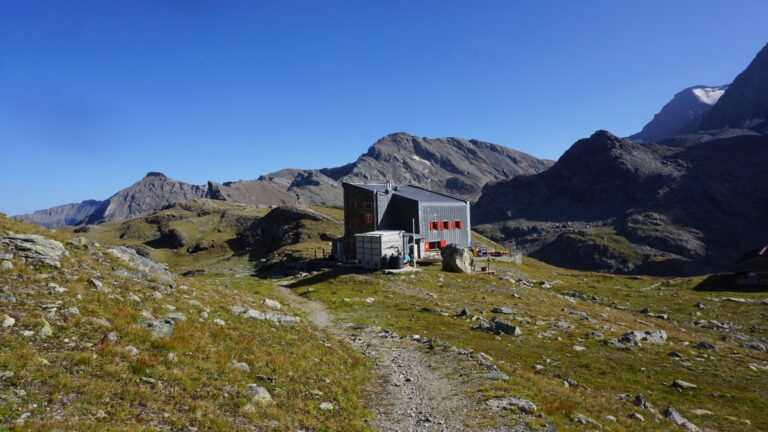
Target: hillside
{"type": "Point", "coordinates": [93, 342]}
{"type": "Point", "coordinates": [219, 237]}
{"type": "Point", "coordinates": [137, 347]}
{"type": "Point", "coordinates": [451, 165]}
{"type": "Point", "coordinates": [613, 205]}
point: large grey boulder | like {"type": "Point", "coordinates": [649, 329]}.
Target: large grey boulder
{"type": "Point", "coordinates": [656, 337]}
{"type": "Point", "coordinates": [160, 328]}
{"type": "Point", "coordinates": [457, 259]}
{"type": "Point", "coordinates": [34, 248]}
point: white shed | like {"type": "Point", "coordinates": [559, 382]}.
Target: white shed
{"type": "Point", "coordinates": [374, 245]}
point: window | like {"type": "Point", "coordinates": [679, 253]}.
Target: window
{"type": "Point", "coordinates": [434, 245]}
{"type": "Point", "coordinates": [434, 225]}
{"type": "Point", "coordinates": [368, 206]}
{"type": "Point", "coordinates": [457, 224]}
{"type": "Point", "coordinates": [446, 225]}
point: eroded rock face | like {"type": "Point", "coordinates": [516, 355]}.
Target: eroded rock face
{"type": "Point", "coordinates": [457, 259]}
{"type": "Point", "coordinates": [34, 248]}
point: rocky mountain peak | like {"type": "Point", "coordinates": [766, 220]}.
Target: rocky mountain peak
{"type": "Point", "coordinates": [745, 103]}
{"type": "Point", "coordinates": [157, 174]}
{"type": "Point", "coordinates": [682, 115]}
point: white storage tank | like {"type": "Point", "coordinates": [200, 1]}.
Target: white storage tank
{"type": "Point", "coordinates": [372, 246]}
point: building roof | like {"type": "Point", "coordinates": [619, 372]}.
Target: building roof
{"type": "Point", "coordinates": [411, 192]}
{"type": "Point", "coordinates": [759, 252]}
{"type": "Point", "coordinates": [380, 233]}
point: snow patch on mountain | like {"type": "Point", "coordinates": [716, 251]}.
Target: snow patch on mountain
{"type": "Point", "coordinates": [709, 95]}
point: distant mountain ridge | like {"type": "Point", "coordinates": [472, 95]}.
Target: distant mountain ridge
{"type": "Point", "coordinates": [451, 165]}
{"type": "Point", "coordinates": [742, 105]}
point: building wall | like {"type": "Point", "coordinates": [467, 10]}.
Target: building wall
{"type": "Point", "coordinates": [754, 264]}
{"type": "Point", "coordinates": [445, 212]}
{"type": "Point", "coordinates": [360, 215]}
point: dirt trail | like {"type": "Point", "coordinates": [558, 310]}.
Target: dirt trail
{"type": "Point", "coordinates": [412, 392]}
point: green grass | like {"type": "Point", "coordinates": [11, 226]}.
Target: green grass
{"type": "Point", "coordinates": [71, 375]}
{"type": "Point", "coordinates": [727, 386]}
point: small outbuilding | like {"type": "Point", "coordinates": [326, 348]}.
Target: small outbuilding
{"type": "Point", "coordinates": [752, 268]}
{"type": "Point", "coordinates": [380, 249]}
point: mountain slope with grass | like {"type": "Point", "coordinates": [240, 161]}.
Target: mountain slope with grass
{"type": "Point", "coordinates": [93, 340]}
{"type": "Point", "coordinates": [99, 337]}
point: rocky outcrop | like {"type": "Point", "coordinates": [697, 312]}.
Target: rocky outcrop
{"type": "Point", "coordinates": [35, 249]}
{"type": "Point", "coordinates": [456, 259]}
{"type": "Point", "coordinates": [141, 263]}
{"type": "Point", "coordinates": [280, 227]}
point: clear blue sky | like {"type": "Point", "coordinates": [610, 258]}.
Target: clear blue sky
{"type": "Point", "coordinates": [95, 94]}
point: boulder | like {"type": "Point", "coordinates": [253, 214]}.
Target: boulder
{"type": "Point", "coordinates": [498, 326]}
{"type": "Point", "coordinates": [512, 403]}
{"type": "Point", "coordinates": [656, 337]}
{"type": "Point", "coordinates": [34, 248]}
{"type": "Point", "coordinates": [258, 394]}
{"type": "Point", "coordinates": [457, 259]}
{"type": "Point", "coordinates": [160, 328]}
{"type": "Point", "coordinates": [675, 417]}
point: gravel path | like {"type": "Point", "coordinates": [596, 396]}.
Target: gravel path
{"type": "Point", "coordinates": [414, 390]}
{"type": "Point", "coordinates": [409, 394]}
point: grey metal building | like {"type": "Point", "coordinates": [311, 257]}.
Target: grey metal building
{"type": "Point", "coordinates": [438, 219]}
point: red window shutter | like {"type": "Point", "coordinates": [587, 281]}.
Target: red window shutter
{"type": "Point", "coordinates": [442, 243]}
{"type": "Point", "coordinates": [426, 246]}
